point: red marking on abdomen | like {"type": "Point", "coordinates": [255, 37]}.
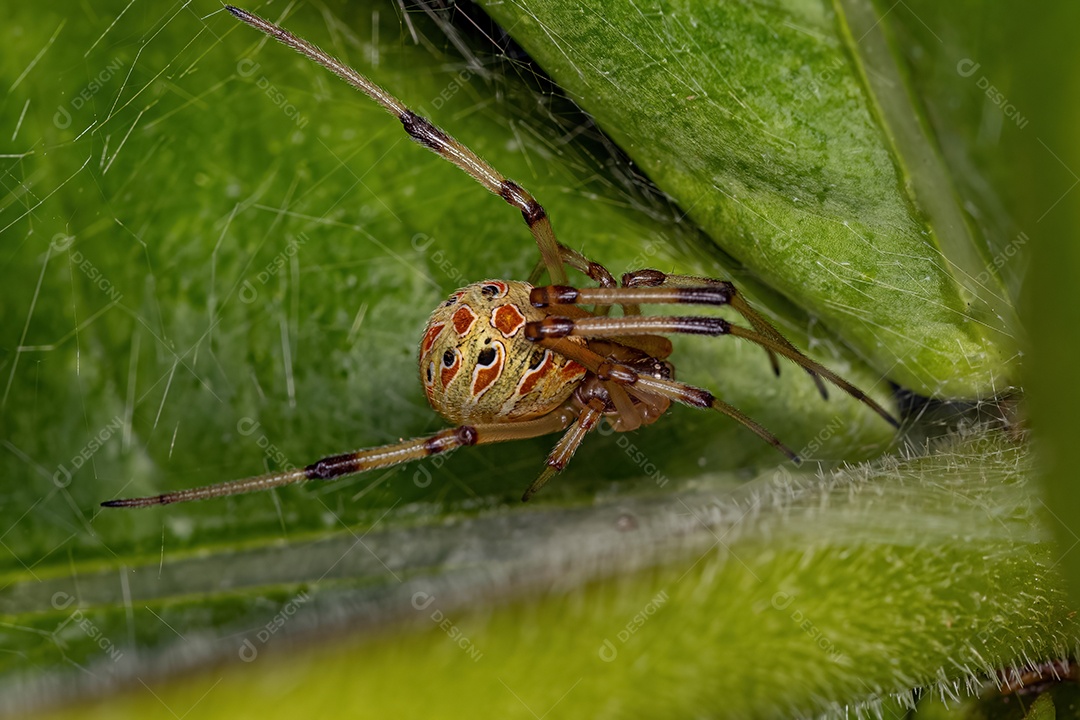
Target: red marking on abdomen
{"type": "Point", "coordinates": [531, 379]}
{"type": "Point", "coordinates": [507, 319]}
{"type": "Point", "coordinates": [572, 371]}
{"type": "Point", "coordinates": [499, 285]}
{"type": "Point", "coordinates": [484, 376]}
{"type": "Point", "coordinates": [463, 318]}
{"type": "Point", "coordinates": [446, 374]}
{"type": "Point", "coordinates": [430, 337]}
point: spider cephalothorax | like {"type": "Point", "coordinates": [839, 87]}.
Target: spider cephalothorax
{"type": "Point", "coordinates": [504, 360]}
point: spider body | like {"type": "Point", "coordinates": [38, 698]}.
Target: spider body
{"type": "Point", "coordinates": [504, 360]}
{"type": "Point", "coordinates": [478, 364]}
{"type": "Point", "coordinates": [477, 367]}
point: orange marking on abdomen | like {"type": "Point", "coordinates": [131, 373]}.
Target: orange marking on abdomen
{"type": "Point", "coordinates": [484, 376]}
{"type": "Point", "coordinates": [507, 319]}
{"type": "Point", "coordinates": [531, 379]}
{"type": "Point", "coordinates": [572, 371]}
{"type": "Point", "coordinates": [446, 374]}
{"type": "Point", "coordinates": [463, 318]}
{"type": "Point", "coordinates": [430, 337]}
{"type": "Point", "coordinates": [499, 285]}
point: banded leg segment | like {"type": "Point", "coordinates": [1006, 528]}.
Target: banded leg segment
{"type": "Point", "coordinates": [594, 271]}
{"type": "Point", "coordinates": [567, 295]}
{"type": "Point", "coordinates": [656, 279]}
{"type": "Point", "coordinates": [567, 446]}
{"type": "Point", "coordinates": [430, 136]}
{"type": "Point", "coordinates": [337, 466]}
{"type": "Point", "coordinates": [645, 388]}
{"type": "Point", "coordinates": [701, 398]}
{"type": "Point", "coordinates": [554, 326]}
{"type": "Point", "coordinates": [652, 287]}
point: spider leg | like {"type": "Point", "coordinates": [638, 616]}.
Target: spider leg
{"type": "Point", "coordinates": [629, 417]}
{"type": "Point", "coordinates": [644, 386]}
{"type": "Point", "coordinates": [637, 290]}
{"type": "Point", "coordinates": [427, 134]}
{"type": "Point", "coordinates": [337, 466]}
{"type": "Point", "coordinates": [700, 398]}
{"type": "Point", "coordinates": [554, 326]}
{"type": "Point", "coordinates": [655, 278]}
{"type": "Point", "coordinates": [567, 446]}
{"type": "Point", "coordinates": [655, 287]}
{"type": "Point", "coordinates": [593, 270]}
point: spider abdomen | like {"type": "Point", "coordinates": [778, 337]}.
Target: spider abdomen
{"type": "Point", "coordinates": [476, 364]}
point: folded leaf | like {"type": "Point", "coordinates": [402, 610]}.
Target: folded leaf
{"type": "Point", "coordinates": [767, 124]}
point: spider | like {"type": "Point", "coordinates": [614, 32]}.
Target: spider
{"type": "Point", "coordinates": [504, 360]}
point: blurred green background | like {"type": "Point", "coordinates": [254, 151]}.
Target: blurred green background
{"type": "Point", "coordinates": [218, 258]}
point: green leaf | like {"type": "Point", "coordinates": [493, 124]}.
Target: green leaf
{"type": "Point", "coordinates": [235, 295]}
{"type": "Point", "coordinates": [789, 597]}
{"type": "Point", "coordinates": [219, 261]}
{"type": "Point", "coordinates": [785, 132]}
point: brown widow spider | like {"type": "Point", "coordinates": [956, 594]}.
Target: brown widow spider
{"type": "Point", "coordinates": [504, 360]}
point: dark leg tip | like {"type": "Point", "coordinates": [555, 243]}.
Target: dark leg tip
{"type": "Point", "coordinates": [138, 502]}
